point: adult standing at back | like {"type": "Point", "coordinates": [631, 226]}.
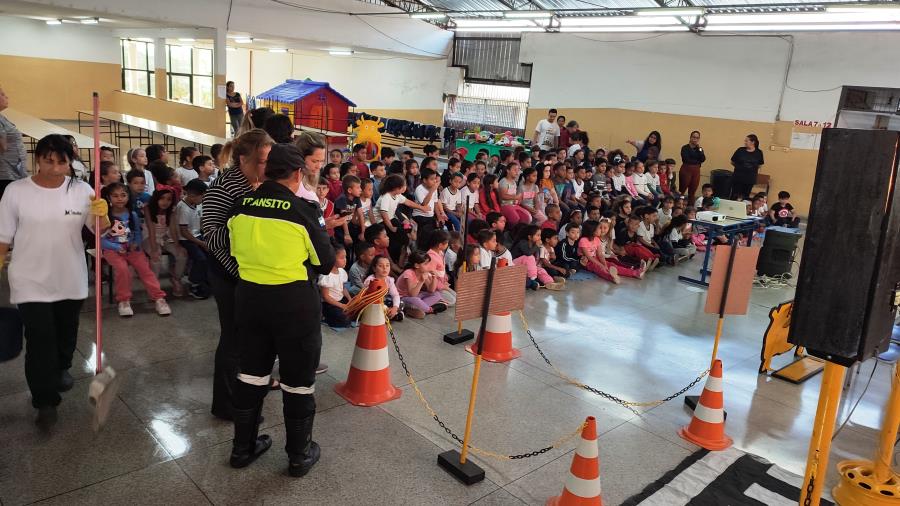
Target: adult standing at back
{"type": "Point", "coordinates": [546, 132]}
{"type": "Point", "coordinates": [44, 215]}
{"type": "Point", "coordinates": [692, 157]}
{"type": "Point", "coordinates": [248, 153]}
{"type": "Point", "coordinates": [649, 148]}
{"type": "Point", "coordinates": [746, 161]}
{"type": "Point", "coordinates": [12, 149]}
{"type": "Point", "coordinates": [235, 104]}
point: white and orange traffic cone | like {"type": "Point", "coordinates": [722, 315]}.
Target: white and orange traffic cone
{"type": "Point", "coordinates": [497, 339]}
{"type": "Point", "coordinates": [583, 482]}
{"type": "Point", "coordinates": [369, 380]}
{"type": "Point", "coordinates": [707, 427]}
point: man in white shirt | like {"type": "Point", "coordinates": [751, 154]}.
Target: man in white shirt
{"type": "Point", "coordinates": [546, 133]}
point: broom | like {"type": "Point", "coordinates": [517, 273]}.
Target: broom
{"type": "Point", "coordinates": [105, 383]}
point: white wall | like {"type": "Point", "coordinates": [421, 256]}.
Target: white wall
{"type": "Point", "coordinates": [371, 81]}
{"type": "Point", "coordinates": [720, 77]}
{"type": "Point", "coordinates": [35, 39]}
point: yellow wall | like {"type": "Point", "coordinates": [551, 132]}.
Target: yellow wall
{"type": "Point", "coordinates": [56, 89]}
{"type": "Point", "coordinates": [790, 170]}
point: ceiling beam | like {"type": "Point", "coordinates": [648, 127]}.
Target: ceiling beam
{"type": "Point", "coordinates": [680, 3]}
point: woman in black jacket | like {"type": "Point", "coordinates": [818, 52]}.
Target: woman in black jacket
{"type": "Point", "coordinates": [746, 161]}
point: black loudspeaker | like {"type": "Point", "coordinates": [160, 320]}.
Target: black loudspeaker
{"type": "Point", "coordinates": [777, 254]}
{"type": "Point", "coordinates": [850, 268]}
{"type": "Point", "coordinates": [720, 179]}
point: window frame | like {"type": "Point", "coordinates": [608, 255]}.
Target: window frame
{"type": "Point", "coordinates": [150, 70]}
{"type": "Point", "coordinates": [190, 76]}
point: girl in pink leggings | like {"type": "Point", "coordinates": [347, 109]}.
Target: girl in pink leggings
{"type": "Point", "coordinates": [510, 197]}
{"type": "Point", "coordinates": [418, 287]}
{"type": "Point", "coordinates": [590, 247]}
{"type": "Point", "coordinates": [525, 252]}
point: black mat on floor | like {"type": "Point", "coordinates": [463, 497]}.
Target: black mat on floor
{"type": "Point", "coordinates": [730, 477]}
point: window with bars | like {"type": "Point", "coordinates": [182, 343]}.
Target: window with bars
{"type": "Point", "coordinates": [488, 106]}
{"type": "Point", "coordinates": [137, 67]}
{"type": "Point", "coordinates": [190, 74]}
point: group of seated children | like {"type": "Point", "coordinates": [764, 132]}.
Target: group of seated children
{"type": "Point", "coordinates": [155, 213]}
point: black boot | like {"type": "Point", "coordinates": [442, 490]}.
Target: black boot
{"type": "Point", "coordinates": [302, 451]}
{"type": "Point", "coordinates": [247, 446]}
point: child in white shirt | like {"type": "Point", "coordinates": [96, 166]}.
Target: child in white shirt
{"type": "Point", "coordinates": [334, 294]}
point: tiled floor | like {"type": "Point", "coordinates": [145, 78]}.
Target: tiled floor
{"type": "Point", "coordinates": [641, 341]}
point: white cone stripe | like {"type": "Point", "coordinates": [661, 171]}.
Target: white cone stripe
{"type": "Point", "coordinates": [499, 324]}
{"type": "Point", "coordinates": [370, 360]}
{"type": "Point", "coordinates": [254, 380]}
{"type": "Point", "coordinates": [583, 488]}
{"type": "Point", "coordinates": [709, 415]}
{"type": "Point", "coordinates": [373, 315]}
{"type": "Point", "coordinates": [587, 448]}
{"type": "Point", "coordinates": [714, 384]}
{"type": "Point", "coordinates": [299, 390]}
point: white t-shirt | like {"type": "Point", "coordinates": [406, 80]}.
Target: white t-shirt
{"type": "Point", "coordinates": [449, 200]}
{"type": "Point", "coordinates": [547, 133]}
{"type": "Point", "coordinates": [185, 175]}
{"type": "Point", "coordinates": [421, 193]}
{"type": "Point", "coordinates": [618, 181]}
{"type": "Point", "coordinates": [675, 235]}
{"type": "Point", "coordinates": [388, 203]}
{"type": "Point", "coordinates": [366, 206]}
{"type": "Point", "coordinates": [334, 283]}
{"type": "Point", "coordinates": [698, 204]}
{"type": "Point", "coordinates": [473, 197]}
{"type": "Point", "coordinates": [652, 181]}
{"type": "Point", "coordinates": [189, 216]}
{"type": "Point", "coordinates": [578, 188]}
{"type": "Point", "coordinates": [484, 257]}
{"type": "Point", "coordinates": [45, 224]}
{"type": "Point", "coordinates": [640, 183]}
{"type": "Point", "coordinates": [645, 232]}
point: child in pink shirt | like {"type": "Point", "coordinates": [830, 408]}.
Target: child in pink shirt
{"type": "Point", "coordinates": [590, 247]}
{"type": "Point", "coordinates": [440, 241]}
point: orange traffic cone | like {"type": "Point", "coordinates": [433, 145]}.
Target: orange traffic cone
{"type": "Point", "coordinates": [583, 483]}
{"type": "Point", "coordinates": [497, 339]}
{"type": "Point", "coordinates": [369, 380]}
{"type": "Point", "coordinates": [707, 427]}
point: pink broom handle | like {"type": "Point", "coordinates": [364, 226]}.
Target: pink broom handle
{"type": "Point", "coordinates": [98, 296]}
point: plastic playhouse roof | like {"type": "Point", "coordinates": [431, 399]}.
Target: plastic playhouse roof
{"type": "Point", "coordinates": [294, 89]}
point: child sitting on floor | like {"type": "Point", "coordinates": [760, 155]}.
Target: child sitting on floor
{"type": "Point", "coordinates": [418, 287]}
{"type": "Point", "coordinates": [334, 294]}
{"type": "Point", "coordinates": [487, 240]}
{"type": "Point", "coordinates": [676, 237]}
{"type": "Point", "coordinates": [439, 242]}
{"type": "Point", "coordinates": [607, 237]}
{"type": "Point", "coordinates": [781, 214]}
{"type": "Point", "coordinates": [567, 255]}
{"type": "Point", "coordinates": [381, 269]}
{"type": "Point", "coordinates": [525, 252]}
{"type": "Point", "coordinates": [590, 247]}
{"type": "Point", "coordinates": [365, 253]}
{"type": "Point", "coordinates": [547, 257]}
{"type": "Point", "coordinates": [628, 240]}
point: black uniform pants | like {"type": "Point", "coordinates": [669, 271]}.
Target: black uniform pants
{"type": "Point", "coordinates": [227, 352]}
{"type": "Point", "coordinates": [51, 330]}
{"type": "Point", "coordinates": [283, 321]}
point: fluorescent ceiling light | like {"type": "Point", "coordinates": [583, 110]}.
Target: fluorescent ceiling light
{"type": "Point", "coordinates": [811, 17]}
{"type": "Point", "coordinates": [187, 39]}
{"type": "Point", "coordinates": [277, 50]}
{"type": "Point", "coordinates": [613, 29]}
{"type": "Point", "coordinates": [527, 14]}
{"type": "Point", "coordinates": [341, 53]}
{"type": "Point", "coordinates": [244, 40]}
{"type": "Point", "coordinates": [666, 11]}
{"type": "Point", "coordinates": [498, 23]}
{"type": "Point", "coordinates": [618, 21]}
{"type": "Point", "coordinates": [803, 27]}
{"type": "Point", "coordinates": [428, 15]}
{"type": "Point", "coordinates": [54, 22]}
{"type": "Point", "coordinates": [861, 8]}
{"type": "Point", "coordinates": [230, 48]}
{"type": "Point", "coordinates": [500, 29]}
{"type": "Point", "coordinates": [90, 21]}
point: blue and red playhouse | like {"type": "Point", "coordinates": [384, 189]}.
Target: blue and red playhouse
{"type": "Point", "coordinates": [312, 104]}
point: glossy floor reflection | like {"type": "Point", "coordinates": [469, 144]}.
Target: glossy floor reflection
{"type": "Point", "coordinates": [639, 341]}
